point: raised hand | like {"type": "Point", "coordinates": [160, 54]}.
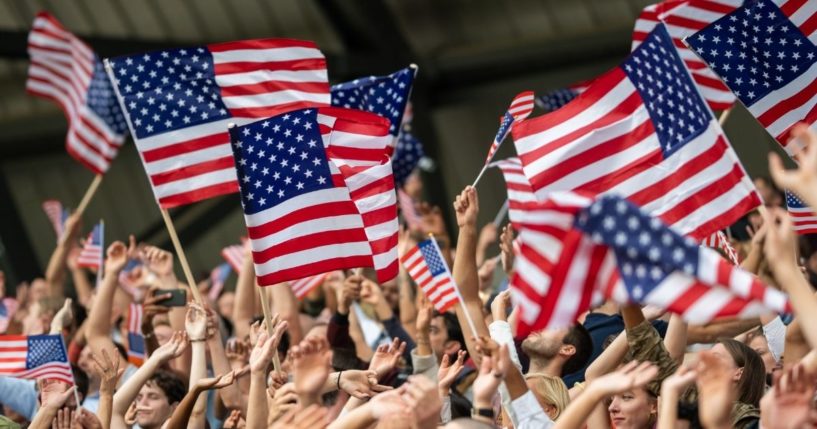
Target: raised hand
{"type": "Point", "coordinates": [361, 384]}
{"type": "Point", "coordinates": [65, 419]}
{"type": "Point", "coordinates": [195, 322]}
{"type": "Point", "coordinates": [221, 381]}
{"type": "Point", "coordinates": [421, 399]}
{"type": "Point", "coordinates": [715, 390]}
{"type": "Point", "coordinates": [87, 420]}
{"type": "Point", "coordinates": [370, 292]}
{"type": "Point", "coordinates": [506, 246]}
{"type": "Point", "coordinates": [56, 394]}
{"type": "Point", "coordinates": [311, 364]}
{"type": "Point", "coordinates": [238, 353]}
{"type": "Point", "coordinates": [63, 317]}
{"type": "Point", "coordinates": [803, 179]}
{"type": "Point", "coordinates": [788, 404]}
{"type": "Point", "coordinates": [431, 220]}
{"type": "Point", "coordinates": [492, 371]}
{"type": "Point", "coordinates": [265, 346]}
{"type": "Point", "coordinates": [386, 357]}
{"type": "Point", "coordinates": [425, 313]}
{"type": "Point", "coordinates": [107, 369]}
{"type": "Point", "coordinates": [630, 376]}
{"type": "Point", "coordinates": [500, 305]}
{"type": "Point", "coordinates": [349, 292]}
{"type": "Point", "coordinates": [116, 259]}
{"type": "Point", "coordinates": [448, 372]}
{"type": "Point", "coordinates": [780, 243]}
{"type": "Point", "coordinates": [678, 382]}
{"type": "Point", "coordinates": [173, 348]}
{"type": "Point", "coordinates": [151, 308]}
{"type": "Point", "coordinates": [232, 422]}
{"type": "Point", "coordinates": [466, 206]}
{"type": "Point", "coordinates": [284, 399]}
{"type": "Point", "coordinates": [159, 261]}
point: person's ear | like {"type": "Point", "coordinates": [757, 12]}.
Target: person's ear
{"type": "Point", "coordinates": [567, 350]}
{"type": "Point", "coordinates": [737, 375]}
{"type": "Point", "coordinates": [452, 347]}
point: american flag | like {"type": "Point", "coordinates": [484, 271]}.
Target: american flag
{"type": "Point", "coordinates": [386, 96]}
{"type": "Point", "coordinates": [683, 18]}
{"type": "Point", "coordinates": [218, 276]}
{"type": "Point", "coordinates": [719, 240]}
{"type": "Point", "coordinates": [576, 250]}
{"type": "Point", "coordinates": [92, 252]}
{"type": "Point", "coordinates": [127, 279]}
{"type": "Point", "coordinates": [299, 213]}
{"type": "Point", "coordinates": [64, 69]}
{"type": "Point", "coordinates": [802, 216]}
{"type": "Point", "coordinates": [643, 131]}
{"type": "Point", "coordinates": [180, 101]}
{"type": "Point", "coordinates": [520, 108]}
{"type": "Point", "coordinates": [408, 209]}
{"type": "Point", "coordinates": [520, 192]}
{"type": "Point", "coordinates": [302, 287]}
{"type": "Point", "coordinates": [407, 155]}
{"type": "Point", "coordinates": [426, 266]}
{"type": "Point", "coordinates": [35, 357]}
{"type": "Point", "coordinates": [764, 51]}
{"type": "Point", "coordinates": [234, 255]}
{"type": "Point", "coordinates": [553, 100]}
{"type": "Point", "coordinates": [57, 215]}
{"type": "Point", "coordinates": [136, 342]}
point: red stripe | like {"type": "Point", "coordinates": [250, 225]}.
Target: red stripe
{"type": "Point", "coordinates": [198, 194]}
{"type": "Point", "coordinates": [785, 106]}
{"type": "Point", "coordinates": [723, 272]}
{"type": "Point", "coordinates": [688, 298]}
{"type": "Point", "coordinates": [389, 272]}
{"type": "Point", "coordinates": [273, 86]}
{"type": "Point", "coordinates": [355, 154]}
{"type": "Point", "coordinates": [303, 214]}
{"type": "Point", "coordinates": [705, 195]}
{"type": "Point", "coordinates": [381, 215]}
{"type": "Point", "coordinates": [192, 170]}
{"type": "Point", "coordinates": [374, 129]}
{"type": "Point", "coordinates": [184, 147]}
{"type": "Point", "coordinates": [810, 118]}
{"type": "Point", "coordinates": [309, 241]}
{"type": "Point", "coordinates": [261, 44]}
{"type": "Point", "coordinates": [727, 217]}
{"type": "Point", "coordinates": [598, 254]}
{"type": "Point", "coordinates": [680, 21]}
{"type": "Point", "coordinates": [272, 110]}
{"type": "Point", "coordinates": [71, 80]}
{"type": "Point", "coordinates": [352, 115]}
{"type": "Point", "coordinates": [250, 66]}
{"type": "Point", "coordinates": [592, 155]}
{"type": "Point", "coordinates": [613, 179]}
{"type": "Point", "coordinates": [792, 6]}
{"type": "Point", "coordinates": [313, 268]}
{"type": "Point", "coordinates": [536, 258]}
{"type": "Point", "coordinates": [379, 186]}
{"type": "Point", "coordinates": [385, 244]}
{"type": "Point", "coordinates": [732, 308]}
{"type": "Point", "coordinates": [558, 277]}
{"type": "Point", "coordinates": [709, 82]}
{"type": "Point", "coordinates": [409, 255]}
{"type": "Point", "coordinates": [809, 26]}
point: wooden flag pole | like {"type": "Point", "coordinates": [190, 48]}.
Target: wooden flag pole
{"type": "Point", "coordinates": [724, 116]}
{"type": "Point", "coordinates": [182, 258]}
{"type": "Point", "coordinates": [89, 193]}
{"type": "Point", "coordinates": [276, 361]}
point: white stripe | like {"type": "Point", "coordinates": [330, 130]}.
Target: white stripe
{"type": "Point", "coordinates": [190, 133]}
{"type": "Point", "coordinates": [292, 205]}
{"type": "Point", "coordinates": [254, 77]}
{"type": "Point", "coordinates": [313, 226]}
{"type": "Point", "coordinates": [383, 230]}
{"type": "Point", "coordinates": [669, 290]}
{"type": "Point", "coordinates": [313, 255]}
{"type": "Point", "coordinates": [564, 311]}
{"type": "Point", "coordinates": [708, 305]}
{"type": "Point", "coordinates": [195, 182]}
{"type": "Point", "coordinates": [705, 214]}
{"type": "Point", "coordinates": [802, 15]}
{"type": "Point", "coordinates": [774, 98]}
{"type": "Point", "coordinates": [533, 275]}
{"type": "Point", "coordinates": [599, 109]}
{"type": "Point", "coordinates": [266, 55]}
{"type": "Point", "coordinates": [273, 99]}
{"type": "Point", "coordinates": [188, 159]}
{"type": "Point", "coordinates": [346, 139]}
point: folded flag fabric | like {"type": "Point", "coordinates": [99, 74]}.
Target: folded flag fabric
{"type": "Point", "coordinates": [718, 240]}
{"type": "Point", "coordinates": [300, 216]}
{"type": "Point", "coordinates": [136, 342]}
{"type": "Point", "coordinates": [426, 266]}
{"type": "Point", "coordinates": [57, 215]}
{"type": "Point", "coordinates": [179, 102]}
{"type": "Point", "coordinates": [520, 108]}
{"type": "Point", "coordinates": [553, 100]}
{"type": "Point", "coordinates": [93, 250]}
{"type": "Point", "coordinates": [304, 286]}
{"type": "Point", "coordinates": [386, 96]}
{"type": "Point", "coordinates": [579, 249]}
{"type": "Point", "coordinates": [803, 217]}
{"type": "Point", "coordinates": [683, 18]}
{"type": "Point", "coordinates": [35, 357]}
{"type": "Point", "coordinates": [643, 131]}
{"type": "Point", "coordinates": [64, 69]}
{"type": "Point", "coordinates": [765, 53]}
{"type": "Point", "coordinates": [520, 192]}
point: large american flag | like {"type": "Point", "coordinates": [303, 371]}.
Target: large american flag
{"type": "Point", "coordinates": [765, 52]}
{"type": "Point", "coordinates": [180, 101]}
{"type": "Point", "coordinates": [520, 108]}
{"type": "Point", "coordinates": [803, 217]}
{"type": "Point", "coordinates": [643, 131]}
{"type": "Point", "coordinates": [577, 249]}
{"type": "Point", "coordinates": [57, 215]}
{"type": "Point", "coordinates": [555, 99]}
{"type": "Point", "coordinates": [136, 342]}
{"type": "Point", "coordinates": [64, 69]}
{"type": "Point", "coordinates": [91, 254]}
{"type": "Point", "coordinates": [35, 357]}
{"type": "Point", "coordinates": [520, 192]}
{"type": "Point", "coordinates": [682, 18]}
{"type": "Point", "coordinates": [386, 96]}
{"type": "Point", "coordinates": [234, 255]}
{"type": "Point", "coordinates": [300, 216]}
{"type": "Point", "coordinates": [426, 266]}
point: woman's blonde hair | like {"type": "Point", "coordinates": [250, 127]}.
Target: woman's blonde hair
{"type": "Point", "coordinates": [550, 390]}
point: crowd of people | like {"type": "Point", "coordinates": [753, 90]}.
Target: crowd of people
{"type": "Point", "coordinates": [357, 354]}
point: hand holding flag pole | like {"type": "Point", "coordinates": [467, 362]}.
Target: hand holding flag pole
{"type": "Point", "coordinates": [268, 321]}
{"type": "Point", "coordinates": [471, 324]}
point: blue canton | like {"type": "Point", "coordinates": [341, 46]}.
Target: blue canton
{"type": "Point", "coordinates": [407, 155]}
{"type": "Point", "coordinates": [436, 265]}
{"type": "Point", "coordinates": [168, 90]}
{"type": "Point", "coordinates": [386, 96]}
{"type": "Point", "coordinates": [136, 343]}
{"type": "Point", "coordinates": [554, 100]}
{"type": "Point", "coordinates": [102, 100]}
{"type": "Point", "coordinates": [43, 349]}
{"type": "Point", "coordinates": [646, 250]}
{"type": "Point", "coordinates": [504, 127]}
{"type": "Point", "coordinates": [677, 110]}
{"type": "Point", "coordinates": [279, 158]}
{"type": "Point", "coordinates": [755, 50]}
{"type": "Point", "coordinates": [793, 201]}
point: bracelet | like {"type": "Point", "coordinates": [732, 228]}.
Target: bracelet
{"type": "Point", "coordinates": [201, 340]}
{"type": "Point", "coordinates": [339, 374]}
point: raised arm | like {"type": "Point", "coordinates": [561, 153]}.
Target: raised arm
{"type": "Point", "coordinates": [108, 371]}
{"type": "Point", "coordinates": [244, 308]}
{"type": "Point", "coordinates": [803, 179]}
{"type": "Point", "coordinates": [285, 305]}
{"type": "Point", "coordinates": [182, 415]}
{"type": "Point", "coordinates": [229, 394]}
{"type": "Point", "coordinates": [260, 358]}
{"type": "Point", "coordinates": [98, 330]}
{"type": "Point", "coordinates": [465, 268]}
{"type": "Point", "coordinates": [196, 326]}
{"type": "Point", "coordinates": [55, 272]}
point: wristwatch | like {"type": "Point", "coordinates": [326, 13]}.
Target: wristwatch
{"type": "Point", "coordinates": [483, 412]}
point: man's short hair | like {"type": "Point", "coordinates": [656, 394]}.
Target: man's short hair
{"type": "Point", "coordinates": [579, 338]}
{"type": "Point", "coordinates": [169, 383]}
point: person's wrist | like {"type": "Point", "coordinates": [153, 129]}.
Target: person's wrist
{"type": "Point", "coordinates": [443, 391]}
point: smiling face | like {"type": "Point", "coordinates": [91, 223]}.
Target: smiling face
{"type": "Point", "coordinates": [153, 406]}
{"type": "Point", "coordinates": [633, 409]}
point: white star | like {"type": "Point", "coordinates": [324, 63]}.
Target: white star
{"type": "Point", "coordinates": [321, 180]}
{"type": "Point", "coordinates": [300, 185]}
{"type": "Point", "coordinates": [287, 180]}
{"type": "Point", "coordinates": [280, 193]}
{"type": "Point", "coordinates": [262, 201]}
